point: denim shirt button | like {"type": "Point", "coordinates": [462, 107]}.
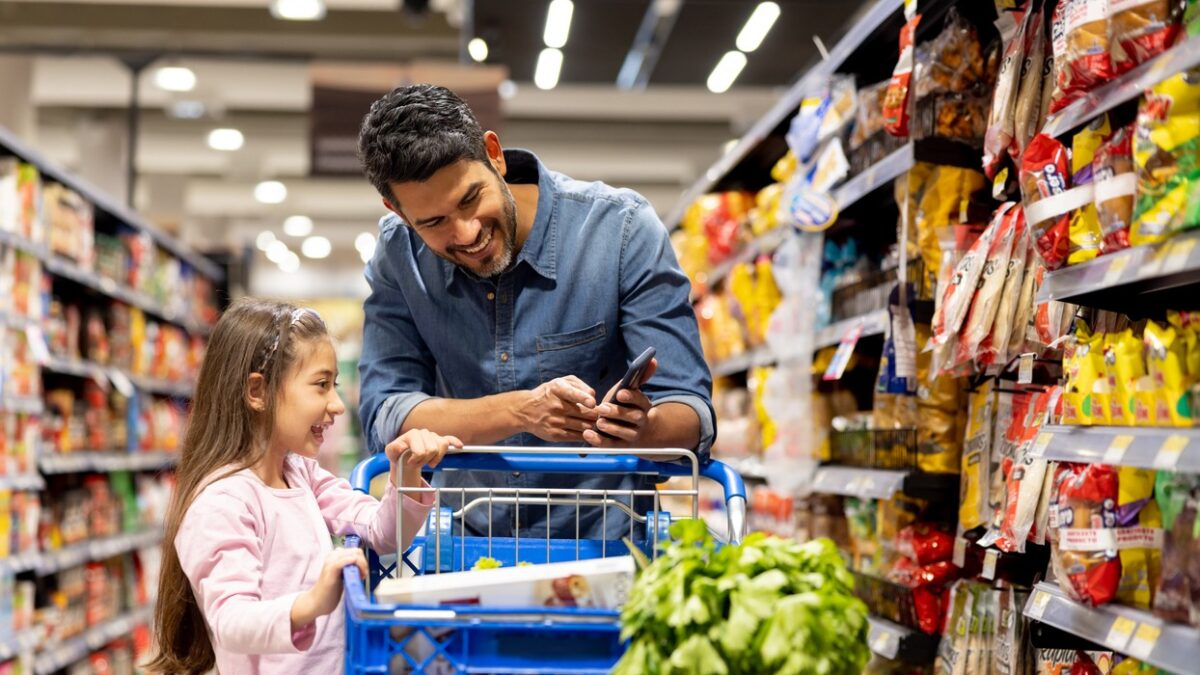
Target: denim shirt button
{"type": "Point", "coordinates": [516, 474]}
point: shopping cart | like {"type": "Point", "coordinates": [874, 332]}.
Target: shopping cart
{"type": "Point", "coordinates": [388, 638]}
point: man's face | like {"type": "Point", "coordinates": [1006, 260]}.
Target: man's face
{"type": "Point", "coordinates": [465, 214]}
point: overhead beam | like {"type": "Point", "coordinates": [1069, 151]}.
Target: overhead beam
{"type": "Point", "coordinates": [651, 38]}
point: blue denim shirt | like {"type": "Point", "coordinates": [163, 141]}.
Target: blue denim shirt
{"type": "Point", "coordinates": [595, 283]}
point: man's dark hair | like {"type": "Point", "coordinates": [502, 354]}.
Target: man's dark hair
{"type": "Point", "coordinates": [414, 131]}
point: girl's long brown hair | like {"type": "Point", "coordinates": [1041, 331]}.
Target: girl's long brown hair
{"type": "Point", "coordinates": [253, 336]}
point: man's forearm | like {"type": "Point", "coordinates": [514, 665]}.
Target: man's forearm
{"type": "Point", "coordinates": [672, 425]}
{"type": "Point", "coordinates": [475, 421]}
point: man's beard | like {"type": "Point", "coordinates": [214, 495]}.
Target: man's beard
{"type": "Point", "coordinates": [506, 230]}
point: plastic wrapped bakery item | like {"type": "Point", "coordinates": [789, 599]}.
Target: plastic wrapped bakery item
{"type": "Point", "coordinates": [1178, 597]}
{"type": "Point", "coordinates": [1000, 127]}
{"type": "Point", "coordinates": [1029, 94]}
{"type": "Point", "coordinates": [994, 348]}
{"type": "Point", "coordinates": [895, 104]}
{"type": "Point", "coordinates": [1084, 546]}
{"type": "Point", "coordinates": [1084, 56]}
{"type": "Point", "coordinates": [958, 291]}
{"type": "Point", "coordinates": [868, 119]}
{"type": "Point", "coordinates": [1166, 155]}
{"type": "Point", "coordinates": [1142, 29]}
{"type": "Point", "coordinates": [1115, 183]}
{"type": "Point", "coordinates": [1044, 174]}
{"type": "Point", "coordinates": [991, 282]}
{"type": "Point", "coordinates": [925, 543]}
{"type": "Point", "coordinates": [956, 62]}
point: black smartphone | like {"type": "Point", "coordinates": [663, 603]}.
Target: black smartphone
{"type": "Point", "coordinates": [631, 380]}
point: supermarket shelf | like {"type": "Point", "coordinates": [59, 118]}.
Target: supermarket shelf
{"type": "Point", "coordinates": [80, 368]}
{"type": "Point", "coordinates": [877, 175]}
{"type": "Point", "coordinates": [1125, 88]}
{"type": "Point", "coordinates": [104, 462]}
{"type": "Point", "coordinates": [874, 323]}
{"type": "Point", "coordinates": [76, 649]}
{"type": "Point", "coordinates": [16, 321]}
{"type": "Point", "coordinates": [1171, 647]}
{"type": "Point", "coordinates": [104, 202]}
{"type": "Point", "coordinates": [78, 554]}
{"type": "Point", "coordinates": [749, 468]}
{"type": "Point", "coordinates": [893, 641]}
{"type": "Point", "coordinates": [764, 244]}
{"type": "Point", "coordinates": [860, 28]}
{"type": "Point", "coordinates": [24, 405]}
{"type": "Point", "coordinates": [12, 646]}
{"type": "Point", "coordinates": [763, 356]}
{"type": "Point", "coordinates": [1150, 448]}
{"type": "Point", "coordinates": [1124, 281]}
{"type": "Point", "coordinates": [31, 481]}
{"type": "Point", "coordinates": [851, 481]}
{"type": "Point", "coordinates": [68, 270]}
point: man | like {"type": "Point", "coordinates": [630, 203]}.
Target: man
{"type": "Point", "coordinates": [507, 299]}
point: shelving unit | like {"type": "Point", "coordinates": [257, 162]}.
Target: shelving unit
{"type": "Point", "coordinates": [873, 324]}
{"type": "Point", "coordinates": [893, 641]}
{"type": "Point", "coordinates": [849, 481]}
{"type": "Point", "coordinates": [22, 482]}
{"type": "Point", "coordinates": [76, 649]}
{"type": "Point", "coordinates": [1139, 634]}
{"type": "Point", "coordinates": [1146, 447]}
{"type": "Point", "coordinates": [88, 369]}
{"type": "Point", "coordinates": [21, 406]}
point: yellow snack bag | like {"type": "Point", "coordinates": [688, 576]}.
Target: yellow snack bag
{"type": "Point", "coordinates": [976, 480]}
{"type": "Point", "coordinates": [766, 298]}
{"type": "Point", "coordinates": [1084, 233]}
{"type": "Point", "coordinates": [1102, 392]}
{"type": "Point", "coordinates": [1127, 368]}
{"type": "Point", "coordinates": [1166, 157]}
{"type": "Point", "coordinates": [1083, 368]}
{"type": "Point", "coordinates": [784, 168]}
{"type": "Point", "coordinates": [1140, 565]}
{"type": "Point", "coordinates": [1165, 359]}
{"type": "Point", "coordinates": [943, 202]}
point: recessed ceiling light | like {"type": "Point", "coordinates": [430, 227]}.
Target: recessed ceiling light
{"type": "Point", "coordinates": [726, 71]}
{"type": "Point", "coordinates": [549, 64]}
{"type": "Point", "coordinates": [757, 26]}
{"type": "Point", "coordinates": [187, 110]}
{"type": "Point", "coordinates": [226, 139]}
{"type": "Point", "coordinates": [298, 226]}
{"type": "Point", "coordinates": [316, 248]}
{"type": "Point", "coordinates": [365, 243]}
{"type": "Point", "coordinates": [290, 262]}
{"type": "Point", "coordinates": [478, 49]}
{"type": "Point", "coordinates": [298, 10]}
{"type": "Point", "coordinates": [276, 251]}
{"type": "Point", "coordinates": [270, 192]}
{"type": "Point", "coordinates": [175, 78]}
{"type": "Point", "coordinates": [264, 239]}
{"type": "Point", "coordinates": [558, 23]}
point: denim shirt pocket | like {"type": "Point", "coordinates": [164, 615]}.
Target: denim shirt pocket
{"type": "Point", "coordinates": [578, 352]}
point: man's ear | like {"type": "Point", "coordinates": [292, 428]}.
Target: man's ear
{"type": "Point", "coordinates": [256, 392]}
{"type": "Point", "coordinates": [495, 152]}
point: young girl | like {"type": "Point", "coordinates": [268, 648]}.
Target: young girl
{"type": "Point", "coordinates": [250, 581]}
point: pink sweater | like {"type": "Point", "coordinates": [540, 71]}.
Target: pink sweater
{"type": "Point", "coordinates": [249, 550]}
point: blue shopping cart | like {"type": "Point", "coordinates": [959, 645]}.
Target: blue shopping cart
{"type": "Point", "coordinates": [390, 638]}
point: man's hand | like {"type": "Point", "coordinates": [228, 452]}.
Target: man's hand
{"type": "Point", "coordinates": [560, 410]}
{"type": "Point", "coordinates": [623, 415]}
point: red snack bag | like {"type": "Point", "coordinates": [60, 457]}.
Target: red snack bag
{"type": "Point", "coordinates": [895, 102]}
{"type": "Point", "coordinates": [1084, 553]}
{"type": "Point", "coordinates": [925, 543]}
{"type": "Point", "coordinates": [1142, 29]}
{"type": "Point", "coordinates": [938, 574]}
{"type": "Point", "coordinates": [1115, 183]}
{"type": "Point", "coordinates": [1045, 173]}
{"type": "Point", "coordinates": [928, 605]}
{"type": "Point", "coordinates": [1081, 45]}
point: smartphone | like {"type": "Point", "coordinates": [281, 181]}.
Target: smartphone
{"type": "Point", "coordinates": [631, 380]}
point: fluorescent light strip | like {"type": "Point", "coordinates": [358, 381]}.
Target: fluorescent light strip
{"type": "Point", "coordinates": [757, 26]}
{"type": "Point", "coordinates": [558, 23]}
{"type": "Point", "coordinates": [549, 64]}
{"type": "Point", "coordinates": [727, 70]}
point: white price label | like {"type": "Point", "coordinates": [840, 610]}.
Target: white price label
{"type": "Point", "coordinates": [1025, 369]}
{"type": "Point", "coordinates": [1116, 449]}
{"type": "Point", "coordinates": [121, 381]}
{"type": "Point", "coordinates": [989, 564]}
{"type": "Point", "coordinates": [1118, 636]}
{"type": "Point", "coordinates": [1041, 443]}
{"type": "Point", "coordinates": [1143, 641]}
{"type": "Point", "coordinates": [960, 551]}
{"type": "Point", "coordinates": [1153, 263]}
{"type": "Point", "coordinates": [1168, 454]}
{"type": "Point", "coordinates": [1037, 606]}
{"type": "Point", "coordinates": [37, 344]}
{"type": "Point", "coordinates": [1177, 256]}
{"type": "Point", "coordinates": [1116, 268]}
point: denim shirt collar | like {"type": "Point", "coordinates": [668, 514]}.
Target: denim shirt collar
{"type": "Point", "coordinates": [540, 251]}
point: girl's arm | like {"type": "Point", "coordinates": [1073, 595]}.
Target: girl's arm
{"type": "Point", "coordinates": [219, 549]}
{"type": "Point", "coordinates": [347, 511]}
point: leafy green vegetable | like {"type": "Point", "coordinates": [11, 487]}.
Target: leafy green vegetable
{"type": "Point", "coordinates": [767, 605]}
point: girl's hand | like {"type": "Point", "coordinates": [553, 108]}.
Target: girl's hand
{"type": "Point", "coordinates": [325, 595]}
{"type": "Point", "coordinates": [425, 448]}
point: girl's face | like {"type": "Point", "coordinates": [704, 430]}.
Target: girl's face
{"type": "Point", "coordinates": [308, 401]}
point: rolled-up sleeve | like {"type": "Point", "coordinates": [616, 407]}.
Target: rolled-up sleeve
{"type": "Point", "coordinates": [395, 368]}
{"type": "Point", "coordinates": [655, 310]}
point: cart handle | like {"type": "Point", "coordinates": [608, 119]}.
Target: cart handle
{"type": "Point", "coordinates": [463, 460]}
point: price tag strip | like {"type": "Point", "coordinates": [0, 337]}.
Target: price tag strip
{"type": "Point", "coordinates": [1168, 454]}
{"type": "Point", "coordinates": [1120, 633]}
{"type": "Point", "coordinates": [1144, 640]}
{"type": "Point", "coordinates": [1116, 449]}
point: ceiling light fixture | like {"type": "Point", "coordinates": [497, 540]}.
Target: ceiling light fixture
{"type": "Point", "coordinates": [227, 140]}
{"type": "Point", "coordinates": [364, 243]}
{"type": "Point", "coordinates": [270, 192]}
{"type": "Point", "coordinates": [478, 49]}
{"type": "Point", "coordinates": [727, 70]}
{"type": "Point", "coordinates": [175, 78]}
{"type": "Point", "coordinates": [549, 64]}
{"type": "Point", "coordinates": [316, 248]}
{"type": "Point", "coordinates": [289, 263]}
{"type": "Point", "coordinates": [276, 251]}
{"type": "Point", "coordinates": [298, 10]}
{"type": "Point", "coordinates": [558, 23]}
{"type": "Point", "coordinates": [298, 226]}
{"type": "Point", "coordinates": [264, 239]}
{"type": "Point", "coordinates": [507, 89]}
{"type": "Point", "coordinates": [757, 26]}
{"type": "Point", "coordinates": [187, 110]}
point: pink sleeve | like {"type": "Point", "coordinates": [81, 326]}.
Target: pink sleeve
{"type": "Point", "coordinates": [219, 547]}
{"type": "Point", "coordinates": [348, 511]}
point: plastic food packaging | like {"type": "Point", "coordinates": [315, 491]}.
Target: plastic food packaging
{"type": "Point", "coordinates": [1142, 29]}
{"type": "Point", "coordinates": [1166, 360]}
{"type": "Point", "coordinates": [1166, 155]}
{"type": "Point", "coordinates": [976, 465]}
{"type": "Point", "coordinates": [987, 295]}
{"type": "Point", "coordinates": [1043, 175]}
{"type": "Point", "coordinates": [1115, 183]}
{"type": "Point", "coordinates": [994, 348]}
{"type": "Point", "coordinates": [1029, 286]}
{"type": "Point", "coordinates": [869, 113]}
{"type": "Point", "coordinates": [925, 543]}
{"type": "Point", "coordinates": [895, 104]}
{"type": "Point", "coordinates": [1084, 552]}
{"type": "Point", "coordinates": [960, 289]}
{"type": "Point", "coordinates": [1000, 129]}
{"type": "Point", "coordinates": [1141, 549]}
{"type": "Point", "coordinates": [1085, 231]}
{"type": "Point", "coordinates": [1178, 597]}
{"type": "Point", "coordinates": [1024, 486]}
{"type": "Point", "coordinates": [1086, 62]}
{"type": "Point", "coordinates": [1029, 96]}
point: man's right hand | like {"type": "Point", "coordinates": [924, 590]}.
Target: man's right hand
{"type": "Point", "coordinates": [559, 410]}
